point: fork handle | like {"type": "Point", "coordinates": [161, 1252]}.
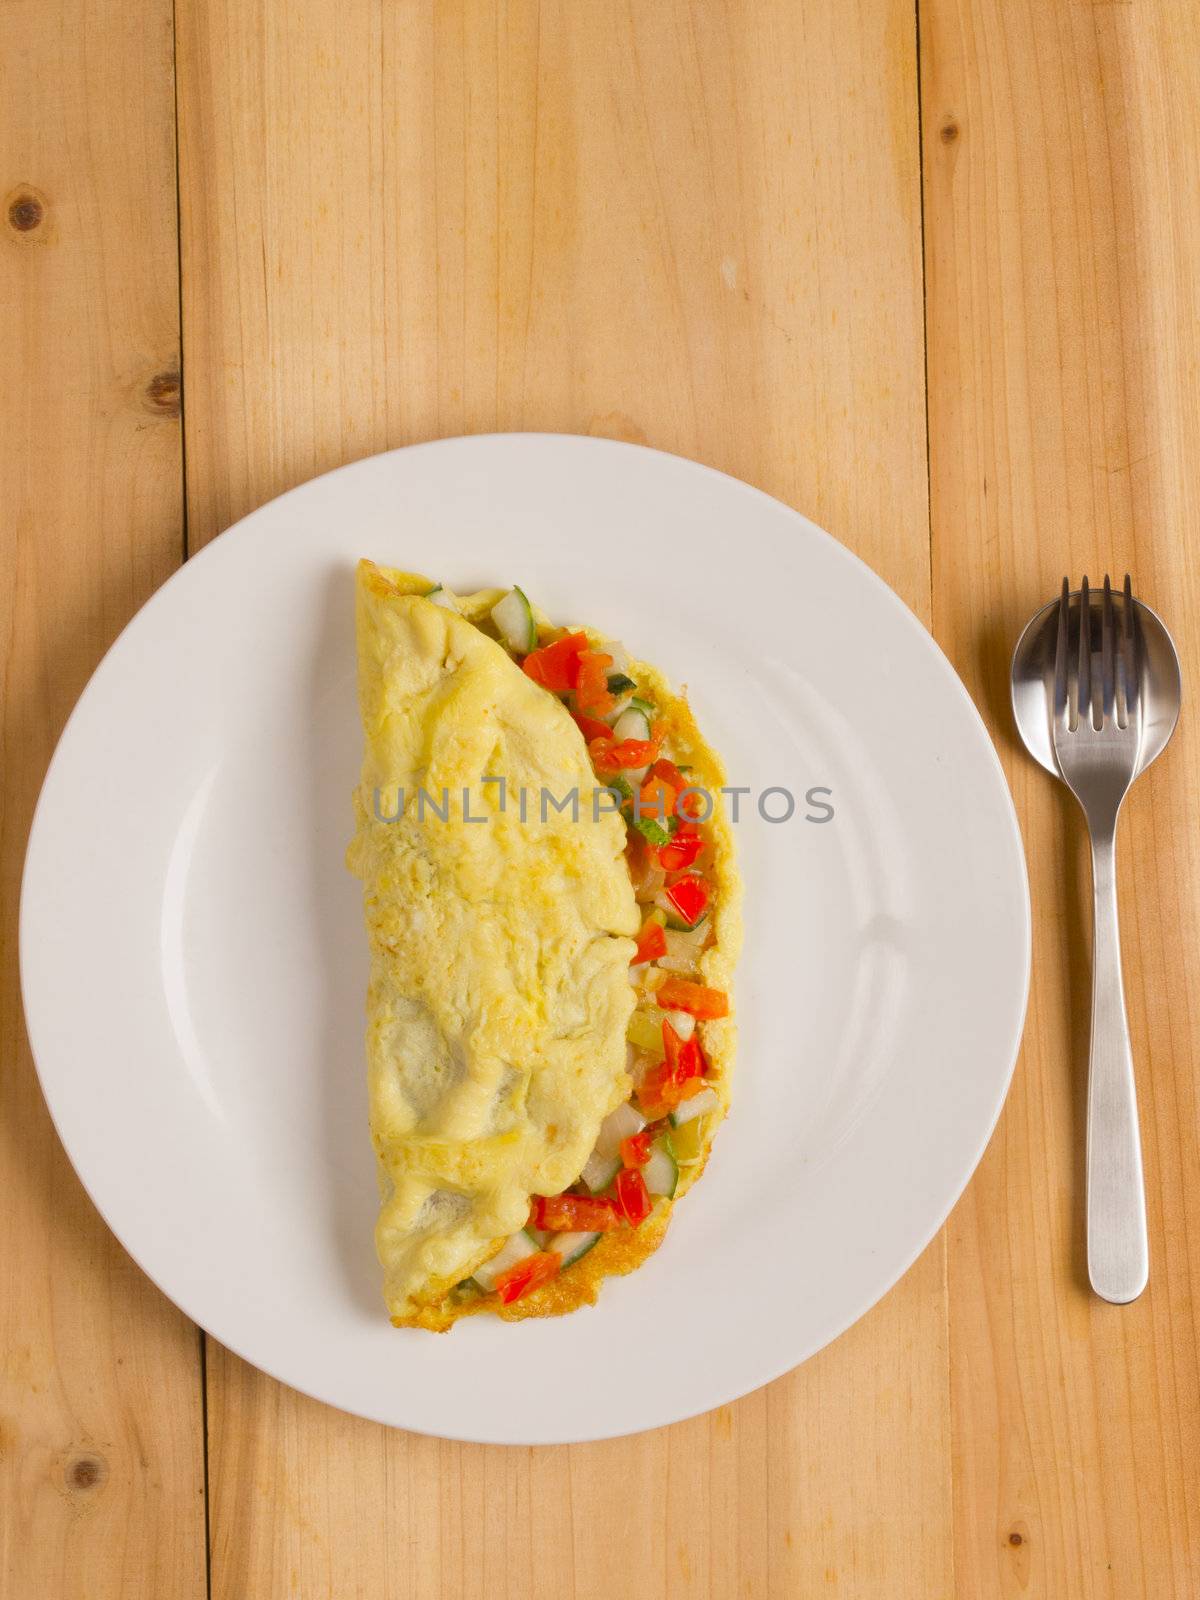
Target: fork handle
{"type": "Point", "coordinates": [1117, 1247]}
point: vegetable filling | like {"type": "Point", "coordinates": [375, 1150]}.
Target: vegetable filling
{"type": "Point", "coordinates": [643, 1144]}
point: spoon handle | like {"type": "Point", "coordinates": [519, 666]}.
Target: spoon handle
{"type": "Point", "coordinates": [1117, 1247]}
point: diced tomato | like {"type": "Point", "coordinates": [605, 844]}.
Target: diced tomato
{"type": "Point", "coordinates": [556, 666]}
{"type": "Point", "coordinates": [685, 845]}
{"type": "Point", "coordinates": [572, 1213]}
{"type": "Point", "coordinates": [691, 805]}
{"type": "Point", "coordinates": [678, 994]}
{"type": "Point", "coordinates": [689, 896]}
{"type": "Point", "coordinates": [651, 943]}
{"type": "Point", "coordinates": [674, 1079]}
{"type": "Point", "coordinates": [656, 798]}
{"type": "Point", "coordinates": [635, 1151]}
{"type": "Point", "coordinates": [609, 756]}
{"type": "Point", "coordinates": [591, 727]}
{"type": "Point", "coordinates": [684, 1057]}
{"type": "Point", "coordinates": [672, 1095]}
{"type": "Point", "coordinates": [672, 1045]}
{"type": "Point", "coordinates": [658, 730]}
{"type": "Point", "coordinates": [657, 1093]}
{"type": "Point", "coordinates": [591, 688]}
{"type": "Point", "coordinates": [527, 1275]}
{"type": "Point", "coordinates": [633, 1198]}
{"type": "Point", "coordinates": [669, 773]}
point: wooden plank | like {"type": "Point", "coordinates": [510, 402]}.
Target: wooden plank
{"type": "Point", "coordinates": [654, 221]}
{"type": "Point", "coordinates": [1062, 168]}
{"type": "Point", "coordinates": [101, 1446]}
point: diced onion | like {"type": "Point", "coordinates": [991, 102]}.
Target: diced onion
{"type": "Point", "coordinates": [697, 1106]}
{"type": "Point", "coordinates": [683, 1022]}
{"type": "Point", "coordinates": [620, 1124]}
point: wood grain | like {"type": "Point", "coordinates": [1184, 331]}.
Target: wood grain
{"type": "Point", "coordinates": [700, 226]}
{"type": "Point", "coordinates": [652, 221]}
{"type": "Point", "coordinates": [101, 1452]}
{"type": "Point", "coordinates": [1062, 143]}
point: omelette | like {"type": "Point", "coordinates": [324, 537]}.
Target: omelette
{"type": "Point", "coordinates": [553, 916]}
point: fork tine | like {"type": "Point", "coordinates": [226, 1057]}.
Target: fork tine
{"type": "Point", "coordinates": [1131, 638]}
{"type": "Point", "coordinates": [1084, 679]}
{"type": "Point", "coordinates": [1060, 658]}
{"type": "Point", "coordinates": [1108, 690]}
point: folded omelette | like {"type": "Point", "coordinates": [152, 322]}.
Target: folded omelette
{"type": "Point", "coordinates": [553, 914]}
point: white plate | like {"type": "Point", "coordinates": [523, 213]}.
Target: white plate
{"type": "Point", "coordinates": [193, 961]}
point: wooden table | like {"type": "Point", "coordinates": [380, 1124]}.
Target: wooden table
{"type": "Point", "coordinates": [931, 279]}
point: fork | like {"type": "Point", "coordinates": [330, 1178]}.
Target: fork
{"type": "Point", "coordinates": [1096, 729]}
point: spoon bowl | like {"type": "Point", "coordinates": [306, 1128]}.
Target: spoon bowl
{"type": "Point", "coordinates": [1033, 684]}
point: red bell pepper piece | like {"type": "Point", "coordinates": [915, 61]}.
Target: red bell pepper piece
{"type": "Point", "coordinates": [659, 1092]}
{"type": "Point", "coordinates": [527, 1275]}
{"type": "Point", "coordinates": [678, 994]}
{"type": "Point", "coordinates": [572, 1213]}
{"type": "Point", "coordinates": [556, 666]}
{"type": "Point", "coordinates": [656, 798]}
{"type": "Point", "coordinates": [591, 688]}
{"type": "Point", "coordinates": [682, 850]}
{"type": "Point", "coordinates": [674, 1079]}
{"type": "Point", "coordinates": [689, 896]}
{"type": "Point", "coordinates": [669, 773]}
{"type": "Point", "coordinates": [635, 1151]}
{"type": "Point", "coordinates": [609, 756]}
{"type": "Point", "coordinates": [651, 943]}
{"type": "Point", "coordinates": [684, 1057]}
{"type": "Point", "coordinates": [691, 805]}
{"type": "Point", "coordinates": [591, 727]}
{"type": "Point", "coordinates": [633, 1198]}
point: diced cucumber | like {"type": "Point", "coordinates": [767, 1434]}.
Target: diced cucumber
{"type": "Point", "coordinates": [619, 708]}
{"type": "Point", "coordinates": [661, 1172]}
{"type": "Point", "coordinates": [599, 1171]}
{"type": "Point", "coordinates": [632, 724]}
{"type": "Point", "coordinates": [618, 683]}
{"type": "Point", "coordinates": [514, 1249]}
{"type": "Point", "coordinates": [651, 829]}
{"type": "Point", "coordinates": [645, 1031]}
{"type": "Point", "coordinates": [441, 596]}
{"type": "Point", "coordinates": [683, 1022]}
{"type": "Point", "coordinates": [570, 1246]}
{"type": "Point", "coordinates": [697, 1106]}
{"type": "Point", "coordinates": [514, 617]}
{"type": "Point", "coordinates": [646, 707]}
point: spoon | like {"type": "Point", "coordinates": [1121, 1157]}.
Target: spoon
{"type": "Point", "coordinates": [1096, 692]}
